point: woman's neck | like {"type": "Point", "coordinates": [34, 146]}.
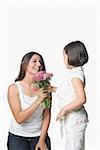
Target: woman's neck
{"type": "Point", "coordinates": [27, 80]}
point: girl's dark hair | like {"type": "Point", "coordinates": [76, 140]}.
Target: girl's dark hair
{"type": "Point", "coordinates": [77, 53]}
{"type": "Point", "coordinates": [24, 64]}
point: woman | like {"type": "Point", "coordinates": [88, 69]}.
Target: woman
{"type": "Point", "coordinates": [29, 127]}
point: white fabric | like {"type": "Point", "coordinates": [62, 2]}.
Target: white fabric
{"type": "Point", "coordinates": [32, 126]}
{"type": "Point", "coordinates": [72, 126]}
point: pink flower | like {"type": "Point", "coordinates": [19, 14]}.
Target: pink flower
{"type": "Point", "coordinates": [47, 75]}
{"type": "Point", "coordinates": [38, 76]}
{"type": "Point", "coordinates": [41, 76]}
{"type": "Point", "coordinates": [34, 89]}
{"type": "Point", "coordinates": [41, 80]}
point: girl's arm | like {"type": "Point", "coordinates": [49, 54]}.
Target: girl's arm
{"type": "Point", "coordinates": [78, 102]}
{"type": "Point", "coordinates": [15, 105]}
{"type": "Point", "coordinates": [52, 89]}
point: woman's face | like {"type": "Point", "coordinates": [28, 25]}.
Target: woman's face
{"type": "Point", "coordinates": [34, 64]}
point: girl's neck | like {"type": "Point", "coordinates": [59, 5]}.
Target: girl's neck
{"type": "Point", "coordinates": [72, 67]}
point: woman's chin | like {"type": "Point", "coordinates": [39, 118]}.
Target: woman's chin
{"type": "Point", "coordinates": [32, 72]}
{"type": "Point", "coordinates": [35, 71]}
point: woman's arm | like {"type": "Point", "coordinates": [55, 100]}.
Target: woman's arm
{"type": "Point", "coordinates": [78, 102]}
{"type": "Point", "coordinates": [15, 105]}
{"type": "Point", "coordinates": [46, 121]}
{"type": "Point", "coordinates": [45, 125]}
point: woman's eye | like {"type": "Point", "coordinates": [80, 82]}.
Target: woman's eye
{"type": "Point", "coordinates": [40, 62]}
{"type": "Point", "coordinates": [34, 61]}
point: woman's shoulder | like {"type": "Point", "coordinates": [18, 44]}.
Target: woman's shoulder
{"type": "Point", "coordinates": [12, 88]}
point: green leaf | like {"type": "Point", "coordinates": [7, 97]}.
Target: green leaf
{"type": "Point", "coordinates": [47, 103]}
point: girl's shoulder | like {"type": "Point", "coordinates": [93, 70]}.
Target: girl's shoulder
{"type": "Point", "coordinates": [77, 72]}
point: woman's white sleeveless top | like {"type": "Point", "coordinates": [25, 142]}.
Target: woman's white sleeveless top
{"type": "Point", "coordinates": [32, 126]}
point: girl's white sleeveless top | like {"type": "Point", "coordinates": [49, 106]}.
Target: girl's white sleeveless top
{"type": "Point", "coordinates": [32, 126]}
{"type": "Point", "coordinates": [66, 94]}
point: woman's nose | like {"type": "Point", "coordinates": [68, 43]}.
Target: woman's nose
{"type": "Point", "coordinates": [38, 63]}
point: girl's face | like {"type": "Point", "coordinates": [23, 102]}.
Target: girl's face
{"type": "Point", "coordinates": [65, 59]}
{"type": "Point", "coordinates": [34, 64]}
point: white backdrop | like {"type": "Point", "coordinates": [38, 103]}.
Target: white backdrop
{"type": "Point", "coordinates": [45, 27]}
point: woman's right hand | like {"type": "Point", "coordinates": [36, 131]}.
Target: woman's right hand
{"type": "Point", "coordinates": [42, 94]}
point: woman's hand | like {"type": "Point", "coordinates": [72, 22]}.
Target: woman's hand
{"type": "Point", "coordinates": [42, 94]}
{"type": "Point", "coordinates": [41, 145]}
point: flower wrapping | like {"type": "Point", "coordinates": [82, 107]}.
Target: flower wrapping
{"type": "Point", "coordinates": [42, 80]}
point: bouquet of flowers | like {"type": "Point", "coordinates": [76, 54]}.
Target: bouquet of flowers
{"type": "Point", "coordinates": [42, 80]}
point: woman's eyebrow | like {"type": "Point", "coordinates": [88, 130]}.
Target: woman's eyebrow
{"type": "Point", "coordinates": [36, 59]}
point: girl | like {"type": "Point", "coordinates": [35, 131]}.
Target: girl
{"type": "Point", "coordinates": [71, 95]}
{"type": "Point", "coordinates": [29, 127]}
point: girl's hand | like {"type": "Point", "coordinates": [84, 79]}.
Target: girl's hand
{"type": "Point", "coordinates": [41, 145]}
{"type": "Point", "coordinates": [61, 114]}
{"type": "Point", "coordinates": [52, 89]}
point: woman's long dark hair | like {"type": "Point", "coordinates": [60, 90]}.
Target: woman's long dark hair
{"type": "Point", "coordinates": [24, 64]}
